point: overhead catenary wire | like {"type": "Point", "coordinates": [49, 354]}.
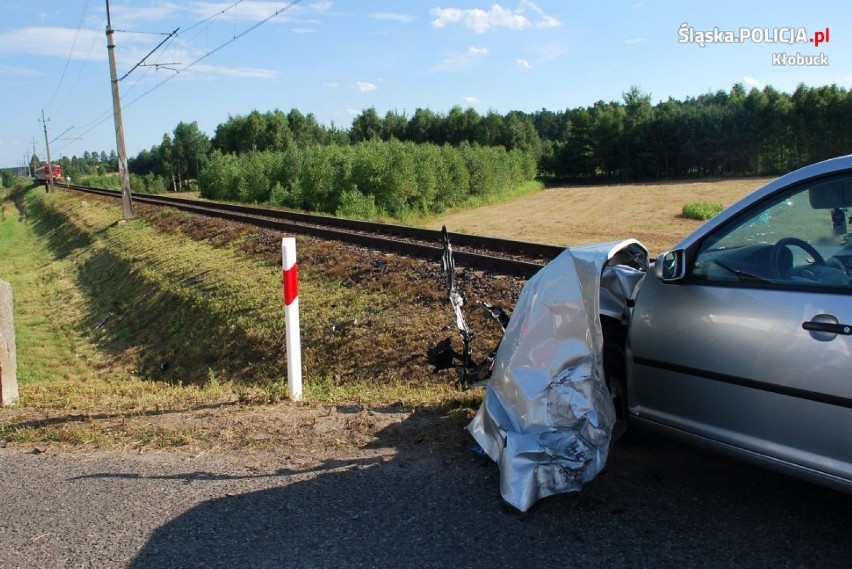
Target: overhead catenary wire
{"type": "Point", "coordinates": [70, 53]}
{"type": "Point", "coordinates": [216, 15]}
{"type": "Point", "coordinates": [107, 114]}
{"type": "Point", "coordinates": [86, 60]}
{"type": "Point", "coordinates": [216, 49]}
{"type": "Point", "coordinates": [142, 61]}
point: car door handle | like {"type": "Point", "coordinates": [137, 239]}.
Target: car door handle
{"type": "Point", "coordinates": [827, 324]}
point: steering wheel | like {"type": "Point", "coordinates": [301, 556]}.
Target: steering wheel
{"type": "Point", "coordinates": [775, 254]}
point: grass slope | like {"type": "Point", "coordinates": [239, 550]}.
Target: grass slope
{"type": "Point", "coordinates": [45, 302]}
{"type": "Point", "coordinates": [118, 321]}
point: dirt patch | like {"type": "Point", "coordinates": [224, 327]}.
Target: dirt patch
{"type": "Point", "coordinates": [298, 432]}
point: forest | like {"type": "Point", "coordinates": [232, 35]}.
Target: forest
{"type": "Point", "coordinates": [739, 132]}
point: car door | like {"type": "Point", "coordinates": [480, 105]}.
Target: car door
{"type": "Point", "coordinates": [749, 349]}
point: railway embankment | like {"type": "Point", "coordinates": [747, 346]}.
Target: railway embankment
{"type": "Point", "coordinates": [162, 330]}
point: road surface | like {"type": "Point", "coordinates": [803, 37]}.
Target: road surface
{"type": "Point", "coordinates": [425, 504]}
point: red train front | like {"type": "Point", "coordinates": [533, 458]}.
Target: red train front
{"type": "Point", "coordinates": [55, 171]}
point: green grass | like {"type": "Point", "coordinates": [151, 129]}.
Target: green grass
{"type": "Point", "coordinates": [702, 210]}
{"type": "Point", "coordinates": [49, 345]}
{"type": "Point", "coordinates": [101, 304]}
{"type": "Point", "coordinates": [100, 298]}
{"type": "Point", "coordinates": [473, 202]}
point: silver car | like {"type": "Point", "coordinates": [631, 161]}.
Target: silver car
{"type": "Point", "coordinates": [742, 339]}
{"type": "Point", "coordinates": [739, 339]}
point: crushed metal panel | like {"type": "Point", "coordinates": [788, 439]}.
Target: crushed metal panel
{"type": "Point", "coordinates": [547, 416]}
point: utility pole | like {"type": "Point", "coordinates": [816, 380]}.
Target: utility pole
{"type": "Point", "coordinates": [49, 170]}
{"type": "Point", "coordinates": [124, 176]}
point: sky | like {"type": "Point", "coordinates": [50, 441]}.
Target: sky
{"type": "Point", "coordinates": [335, 58]}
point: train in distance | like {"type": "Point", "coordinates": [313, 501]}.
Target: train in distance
{"type": "Point", "coordinates": [41, 173]}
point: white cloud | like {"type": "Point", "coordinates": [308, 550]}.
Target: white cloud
{"type": "Point", "coordinates": [751, 82]}
{"type": "Point", "coordinates": [365, 87]}
{"type": "Point", "coordinates": [252, 11]}
{"type": "Point", "coordinates": [403, 18]}
{"type": "Point", "coordinates": [18, 72]}
{"type": "Point", "coordinates": [241, 72]}
{"type": "Point", "coordinates": [303, 30]}
{"type": "Point", "coordinates": [633, 41]}
{"type": "Point", "coordinates": [547, 52]}
{"type": "Point", "coordinates": [461, 61]}
{"type": "Point", "coordinates": [126, 15]}
{"type": "Point", "coordinates": [323, 6]}
{"type": "Point", "coordinates": [480, 21]}
{"type": "Point", "coordinates": [471, 100]}
{"type": "Point", "coordinates": [524, 63]}
{"type": "Point", "coordinates": [52, 42]}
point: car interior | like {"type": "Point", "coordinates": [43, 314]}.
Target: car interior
{"type": "Point", "coordinates": [802, 238]}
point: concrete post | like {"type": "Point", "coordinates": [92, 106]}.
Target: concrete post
{"type": "Point", "coordinates": [8, 360]}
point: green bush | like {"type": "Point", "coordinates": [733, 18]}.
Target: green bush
{"type": "Point", "coordinates": [287, 178]}
{"type": "Point", "coordinates": [8, 178]}
{"type": "Point", "coordinates": [220, 178]}
{"type": "Point", "coordinates": [137, 184]}
{"type": "Point", "coordinates": [254, 184]}
{"type": "Point", "coordinates": [427, 166]}
{"type": "Point", "coordinates": [702, 210]}
{"type": "Point", "coordinates": [453, 179]}
{"type": "Point", "coordinates": [107, 181]}
{"type": "Point", "coordinates": [320, 170]}
{"type": "Point", "coordinates": [368, 179]}
{"type": "Point", "coordinates": [355, 205]}
{"type": "Point", "coordinates": [154, 184]}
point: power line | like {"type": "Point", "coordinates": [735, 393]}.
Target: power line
{"type": "Point", "coordinates": [244, 33]}
{"type": "Point", "coordinates": [142, 61]}
{"type": "Point", "coordinates": [211, 52]}
{"type": "Point", "coordinates": [216, 15]}
{"type": "Point", "coordinates": [70, 52]}
{"type": "Point", "coordinates": [86, 60]}
{"type": "Point", "coordinates": [106, 115]}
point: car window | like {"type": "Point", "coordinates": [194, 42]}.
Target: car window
{"type": "Point", "coordinates": [799, 238]}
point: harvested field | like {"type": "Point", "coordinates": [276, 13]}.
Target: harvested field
{"type": "Point", "coordinates": [587, 214]}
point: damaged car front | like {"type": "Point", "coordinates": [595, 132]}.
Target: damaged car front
{"type": "Point", "coordinates": [739, 340]}
{"type": "Point", "coordinates": [548, 414]}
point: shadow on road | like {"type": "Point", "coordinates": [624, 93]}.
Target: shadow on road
{"type": "Point", "coordinates": [436, 504]}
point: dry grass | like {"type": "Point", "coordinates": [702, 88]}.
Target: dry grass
{"type": "Point", "coordinates": [576, 215]}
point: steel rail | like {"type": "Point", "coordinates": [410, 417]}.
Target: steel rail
{"type": "Point", "coordinates": [393, 238]}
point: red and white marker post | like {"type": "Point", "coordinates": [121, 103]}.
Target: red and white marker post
{"type": "Point", "coordinates": [293, 344]}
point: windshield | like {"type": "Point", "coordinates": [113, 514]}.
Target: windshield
{"type": "Point", "coordinates": [800, 236]}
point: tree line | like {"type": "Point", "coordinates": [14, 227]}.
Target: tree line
{"type": "Point", "coordinates": [735, 133]}
{"type": "Point", "coordinates": [727, 133]}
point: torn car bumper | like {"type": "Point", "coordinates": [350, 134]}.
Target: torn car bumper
{"type": "Point", "coordinates": [547, 417]}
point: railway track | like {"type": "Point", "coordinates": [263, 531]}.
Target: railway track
{"type": "Point", "coordinates": [501, 256]}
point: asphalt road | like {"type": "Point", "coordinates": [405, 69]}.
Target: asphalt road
{"type": "Point", "coordinates": [431, 504]}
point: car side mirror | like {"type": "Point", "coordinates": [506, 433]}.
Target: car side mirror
{"type": "Point", "coordinates": [671, 267]}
